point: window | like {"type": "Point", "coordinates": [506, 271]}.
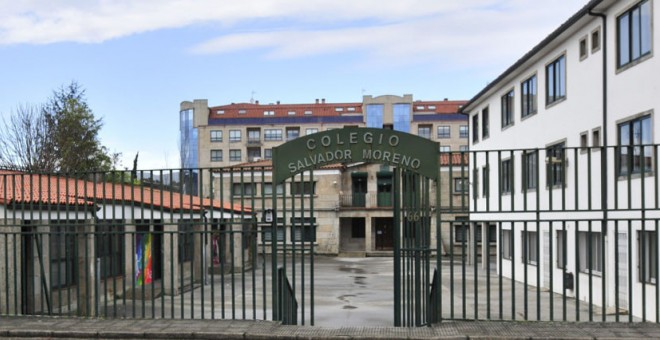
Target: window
{"type": "Point", "coordinates": [235, 155]}
{"type": "Point", "coordinates": [311, 131]}
{"type": "Point", "coordinates": [267, 232]}
{"type": "Point", "coordinates": [561, 248]}
{"type": "Point", "coordinates": [216, 135]}
{"type": "Point", "coordinates": [507, 109]}
{"type": "Point", "coordinates": [584, 141]}
{"type": "Point", "coordinates": [303, 229]}
{"type": "Point", "coordinates": [431, 107]}
{"type": "Point", "coordinates": [555, 80]}
{"type": "Point", "coordinates": [590, 250]}
{"type": "Point", "coordinates": [475, 183]}
{"type": "Point", "coordinates": [303, 188]}
{"type": "Point", "coordinates": [485, 124]}
{"type": "Point", "coordinates": [529, 171]}
{"type": "Point", "coordinates": [308, 112]}
{"type": "Point", "coordinates": [555, 165]}
{"type": "Point", "coordinates": [268, 153]}
{"type": "Point", "coordinates": [463, 131]}
{"type": "Point", "coordinates": [424, 131]}
{"type": "Point", "coordinates": [272, 134]}
{"type": "Point", "coordinates": [242, 112]}
{"type": "Point", "coordinates": [234, 136]}
{"type": "Point", "coordinates": [595, 40]}
{"type": "Point", "coordinates": [220, 112]}
{"type": "Point", "coordinates": [634, 153]}
{"type": "Point", "coordinates": [506, 247]}
{"type": "Point", "coordinates": [463, 148]}
{"type": "Point", "coordinates": [292, 133]}
{"type": "Point", "coordinates": [528, 97]}
{"type": "Point", "coordinates": [63, 263]}
{"type": "Point", "coordinates": [461, 233]}
{"type": "Point", "coordinates": [110, 244]}
{"type": "Point", "coordinates": [254, 135]}
{"type": "Point", "coordinates": [339, 109]}
{"type": "Point", "coordinates": [267, 189]}
{"type": "Point", "coordinates": [444, 131]}
{"type": "Point", "coordinates": [186, 241]}
{"type": "Point", "coordinates": [243, 189]}
{"type": "Point", "coordinates": [584, 51]}
{"type": "Point", "coordinates": [647, 249]}
{"type": "Point", "coordinates": [351, 109]}
{"type": "Point", "coordinates": [595, 137]}
{"type": "Point", "coordinates": [485, 176]}
{"type": "Point", "coordinates": [292, 113]}
{"type": "Point", "coordinates": [445, 148]}
{"type": "Point", "coordinates": [475, 128]}
{"type": "Point", "coordinates": [269, 113]}
{"type": "Point", "coordinates": [506, 176]}
{"type": "Point", "coordinates": [216, 155]}
{"type": "Point", "coordinates": [530, 244]}
{"type": "Point", "coordinates": [461, 185]}
{"type": "Point", "coordinates": [253, 154]}
{"type": "Point", "coordinates": [634, 34]}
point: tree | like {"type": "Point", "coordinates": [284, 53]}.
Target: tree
{"type": "Point", "coordinates": [25, 141]}
{"type": "Point", "coordinates": [61, 136]}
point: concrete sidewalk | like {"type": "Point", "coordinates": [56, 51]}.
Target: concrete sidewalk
{"type": "Point", "coordinates": [77, 328]}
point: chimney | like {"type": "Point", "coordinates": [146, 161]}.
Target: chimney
{"type": "Point", "coordinates": [317, 100]}
{"type": "Point", "coordinates": [323, 100]}
{"type": "Point", "coordinates": [445, 99]}
{"type": "Point", "coordinates": [278, 102]}
{"type": "Point", "coordinates": [256, 102]}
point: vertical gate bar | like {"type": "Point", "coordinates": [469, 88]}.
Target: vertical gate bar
{"type": "Point", "coordinates": [438, 245]}
{"type": "Point", "coordinates": [242, 235]}
{"type": "Point", "coordinates": [630, 291]}
{"type": "Point", "coordinates": [657, 266]}
{"type": "Point", "coordinates": [616, 269]}
{"type": "Point", "coordinates": [539, 230]}
{"type": "Point", "coordinates": [512, 240]}
{"type": "Point", "coordinates": [643, 208]}
{"type": "Point", "coordinates": [224, 233]}
{"type": "Point", "coordinates": [311, 260]}
{"type": "Point", "coordinates": [302, 243]}
{"type": "Point", "coordinates": [577, 269]}
{"type": "Point", "coordinates": [463, 274]}
{"type": "Point", "coordinates": [202, 238]}
{"type": "Point", "coordinates": [589, 180]}
{"type": "Point", "coordinates": [564, 252]}
{"type": "Point", "coordinates": [397, 249]}
{"type": "Point", "coordinates": [642, 265]}
{"type": "Point", "coordinates": [299, 183]}
{"type": "Point", "coordinates": [500, 268]}
{"type": "Point", "coordinates": [590, 264]}
{"type": "Point", "coordinates": [273, 255]}
{"type": "Point", "coordinates": [525, 255]}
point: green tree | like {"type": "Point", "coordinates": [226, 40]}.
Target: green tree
{"type": "Point", "coordinates": [62, 136]}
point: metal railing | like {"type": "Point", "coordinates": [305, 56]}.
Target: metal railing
{"type": "Point", "coordinates": [288, 303]}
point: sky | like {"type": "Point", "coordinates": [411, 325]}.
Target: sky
{"type": "Point", "coordinates": [138, 60]}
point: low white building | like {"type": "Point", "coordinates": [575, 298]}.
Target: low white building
{"type": "Point", "coordinates": [564, 158]}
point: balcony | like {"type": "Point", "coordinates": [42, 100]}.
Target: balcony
{"type": "Point", "coordinates": [254, 142]}
{"type": "Point", "coordinates": [368, 200]}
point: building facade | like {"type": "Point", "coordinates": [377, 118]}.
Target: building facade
{"type": "Point", "coordinates": [352, 202]}
{"type": "Point", "coordinates": [563, 160]}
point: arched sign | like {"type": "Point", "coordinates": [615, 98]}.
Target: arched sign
{"type": "Point", "coordinates": [353, 144]}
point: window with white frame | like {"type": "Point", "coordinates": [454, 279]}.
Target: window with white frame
{"type": "Point", "coordinates": [234, 136]}
{"type": "Point", "coordinates": [647, 249]}
{"type": "Point", "coordinates": [528, 95]}
{"type": "Point", "coordinates": [530, 247]}
{"type": "Point", "coordinates": [633, 34]}
{"type": "Point", "coordinates": [444, 131]}
{"type": "Point", "coordinates": [485, 123]}
{"type": "Point", "coordinates": [424, 131]}
{"type": "Point", "coordinates": [590, 251]}
{"type": "Point", "coordinates": [216, 135]}
{"type": "Point", "coordinates": [268, 153]}
{"type": "Point", "coordinates": [463, 131]}
{"type": "Point", "coordinates": [243, 189]}
{"type": "Point", "coordinates": [310, 131]}
{"type": "Point", "coordinates": [555, 80]}
{"type": "Point", "coordinates": [303, 188]}
{"type": "Point", "coordinates": [463, 148]}
{"type": "Point", "coordinates": [555, 165]}
{"type": "Point", "coordinates": [507, 244]}
{"type": "Point", "coordinates": [475, 128]}
{"type": "Point", "coordinates": [216, 155]}
{"type": "Point", "coordinates": [445, 148]}
{"type": "Point", "coordinates": [267, 189]}
{"type": "Point", "coordinates": [507, 109]}
{"type": "Point", "coordinates": [272, 135]}
{"type": "Point", "coordinates": [235, 155]}
{"type": "Point", "coordinates": [506, 176]}
{"type": "Point", "coordinates": [292, 133]}
{"type": "Point", "coordinates": [461, 185]}
{"type": "Point", "coordinates": [530, 164]}
{"type": "Point", "coordinates": [635, 155]}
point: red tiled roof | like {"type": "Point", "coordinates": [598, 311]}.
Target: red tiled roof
{"type": "Point", "coordinates": [249, 110]}
{"type": "Point", "coordinates": [17, 187]}
{"type": "Point", "coordinates": [438, 107]}
{"type": "Point", "coordinates": [455, 159]}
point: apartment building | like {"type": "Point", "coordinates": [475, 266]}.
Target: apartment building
{"type": "Point", "coordinates": [564, 160]}
{"type": "Point", "coordinates": [353, 201]}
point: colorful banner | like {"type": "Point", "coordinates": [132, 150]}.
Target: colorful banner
{"type": "Point", "coordinates": [144, 271]}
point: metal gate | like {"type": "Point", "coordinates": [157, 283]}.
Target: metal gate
{"type": "Point", "coordinates": [415, 161]}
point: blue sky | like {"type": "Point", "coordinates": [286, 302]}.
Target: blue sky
{"type": "Point", "coordinates": [138, 60]}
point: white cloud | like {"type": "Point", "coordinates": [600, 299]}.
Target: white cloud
{"type": "Point", "coordinates": [383, 31]}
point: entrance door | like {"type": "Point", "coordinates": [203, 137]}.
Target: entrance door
{"type": "Point", "coordinates": [384, 233]}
